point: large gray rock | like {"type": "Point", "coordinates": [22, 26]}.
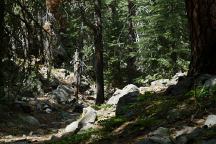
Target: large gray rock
{"type": "Point", "coordinates": [182, 87]}
{"type": "Point", "coordinates": [124, 99]}
{"type": "Point", "coordinates": [211, 82]}
{"type": "Point", "coordinates": [210, 121]}
{"type": "Point", "coordinates": [72, 127]}
{"type": "Point", "coordinates": [160, 140]}
{"type": "Point", "coordinates": [186, 130]}
{"type": "Point", "coordinates": [130, 89]}
{"type": "Point", "coordinates": [178, 75]}
{"type": "Point", "coordinates": [159, 136]}
{"type": "Point", "coordinates": [124, 103]}
{"type": "Point", "coordinates": [161, 131]}
{"type": "Point", "coordinates": [30, 120]}
{"type": "Point", "coordinates": [63, 93]}
{"type": "Point", "coordinates": [89, 116]}
{"type": "Point", "coordinates": [143, 90]}
{"type": "Point", "coordinates": [188, 134]}
{"type": "Point", "coordinates": [160, 83]}
{"type": "Point", "coordinates": [86, 121]}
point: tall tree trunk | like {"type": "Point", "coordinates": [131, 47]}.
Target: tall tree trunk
{"type": "Point", "coordinates": [202, 19]}
{"type": "Point", "coordinates": [98, 42]}
{"type": "Point", "coordinates": [131, 41]}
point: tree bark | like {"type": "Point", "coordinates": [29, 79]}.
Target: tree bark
{"type": "Point", "coordinates": [202, 20]}
{"type": "Point", "coordinates": [98, 42]}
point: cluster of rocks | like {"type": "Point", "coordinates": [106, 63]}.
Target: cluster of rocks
{"type": "Point", "coordinates": [130, 93]}
{"type": "Point", "coordinates": [65, 91]}
{"type": "Point", "coordinates": [63, 94]}
{"type": "Point", "coordinates": [85, 122]}
{"type": "Point", "coordinates": [185, 135]}
{"type": "Point", "coordinates": [89, 116]}
{"type": "Point", "coordinates": [162, 84]}
{"type": "Point", "coordinates": [118, 105]}
{"type": "Point", "coordinates": [205, 81]}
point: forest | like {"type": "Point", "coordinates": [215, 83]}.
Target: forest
{"type": "Point", "coordinates": [108, 71]}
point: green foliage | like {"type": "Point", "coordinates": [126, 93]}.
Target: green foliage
{"type": "Point", "coordinates": [103, 106]}
{"type": "Point", "coordinates": [199, 92]}
{"type": "Point", "coordinates": [146, 96]}
{"type": "Point", "coordinates": [76, 139]}
{"type": "Point", "coordinates": [164, 45]}
{"type": "Point", "coordinates": [112, 123]}
{"type": "Point", "coordinates": [160, 47]}
{"type": "Point", "coordinates": [143, 123]}
{"type": "Point", "coordinates": [203, 95]}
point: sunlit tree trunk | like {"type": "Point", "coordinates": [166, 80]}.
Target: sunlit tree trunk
{"type": "Point", "coordinates": [202, 20]}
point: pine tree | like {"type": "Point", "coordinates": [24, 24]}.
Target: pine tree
{"type": "Point", "coordinates": [202, 28]}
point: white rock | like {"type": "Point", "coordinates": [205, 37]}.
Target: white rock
{"type": "Point", "coordinates": [85, 122]}
{"type": "Point", "coordinates": [185, 130]}
{"type": "Point", "coordinates": [89, 116]}
{"type": "Point", "coordinates": [143, 90]}
{"type": "Point", "coordinates": [179, 74]}
{"type": "Point", "coordinates": [210, 121]}
{"type": "Point", "coordinates": [117, 92]}
{"type": "Point", "coordinates": [48, 110]}
{"type": "Point", "coordinates": [160, 136]}
{"type": "Point", "coordinates": [87, 126]}
{"type": "Point", "coordinates": [120, 93]}
{"type": "Point", "coordinates": [72, 127]}
{"type": "Point", "coordinates": [160, 83]}
{"type": "Point", "coordinates": [210, 82]}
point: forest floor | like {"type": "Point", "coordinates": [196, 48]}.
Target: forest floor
{"type": "Point", "coordinates": [20, 124]}
{"type": "Point", "coordinates": [156, 113]}
{"type": "Point", "coordinates": [157, 118]}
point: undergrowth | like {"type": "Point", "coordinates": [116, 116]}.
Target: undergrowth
{"type": "Point", "coordinates": [151, 111]}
